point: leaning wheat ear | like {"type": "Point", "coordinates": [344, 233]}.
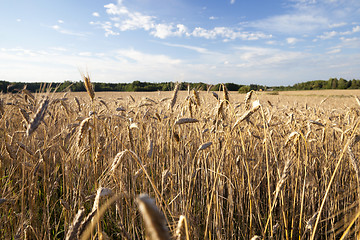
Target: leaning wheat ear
{"type": "Point", "coordinates": [74, 227]}
{"type": "Point", "coordinates": [154, 219]}
{"type": "Point", "coordinates": [39, 115]}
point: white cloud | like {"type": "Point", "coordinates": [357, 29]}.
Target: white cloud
{"type": "Point", "coordinates": [60, 21]}
{"type": "Point", "coordinates": [124, 20]}
{"type": "Point", "coordinates": [145, 59]}
{"type": "Point", "coordinates": [163, 31]}
{"type": "Point", "coordinates": [336, 25]}
{"type": "Point", "coordinates": [107, 27]}
{"type": "Point", "coordinates": [20, 52]}
{"type": "Point", "coordinates": [328, 35]}
{"type": "Point", "coordinates": [298, 23]}
{"type": "Point", "coordinates": [67, 32]}
{"type": "Point", "coordinates": [356, 29]}
{"type": "Point", "coordinates": [85, 54]}
{"type": "Point", "coordinates": [196, 49]}
{"type": "Point", "coordinates": [96, 14]}
{"type": "Point", "coordinates": [353, 42]}
{"type": "Point", "coordinates": [127, 20]}
{"type": "Point", "coordinates": [271, 42]}
{"type": "Point", "coordinates": [260, 56]}
{"type": "Point", "coordinates": [213, 18]}
{"type": "Point", "coordinates": [62, 49]}
{"type": "Point", "coordinates": [310, 17]}
{"type": "Point", "coordinates": [227, 34]}
{"type": "Point", "coordinates": [18, 20]}
{"type": "Point", "coordinates": [349, 39]}
{"type": "Point", "coordinates": [336, 50]}
{"type": "Point", "coordinates": [268, 66]}
{"type": "Point", "coordinates": [232, 1]}
{"type": "Point", "coordinates": [291, 40]}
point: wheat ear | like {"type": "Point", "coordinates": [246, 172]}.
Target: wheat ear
{"type": "Point", "coordinates": [182, 232]}
{"type": "Point", "coordinates": [74, 227]}
{"type": "Point", "coordinates": [39, 115]}
{"type": "Point", "coordinates": [88, 86]}
{"type": "Point", "coordinates": [154, 219]}
{"type": "Point", "coordinates": [174, 97]}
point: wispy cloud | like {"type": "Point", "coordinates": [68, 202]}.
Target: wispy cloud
{"type": "Point", "coordinates": [262, 65]}
{"type": "Point", "coordinates": [295, 24]}
{"type": "Point", "coordinates": [96, 14]}
{"type": "Point", "coordinates": [193, 48]}
{"type": "Point", "coordinates": [228, 34]}
{"type": "Point", "coordinates": [333, 51]}
{"type": "Point", "coordinates": [124, 20]}
{"type": "Point", "coordinates": [309, 17]}
{"type": "Point", "coordinates": [107, 27]}
{"type": "Point", "coordinates": [68, 32]}
{"type": "Point", "coordinates": [292, 40]}
{"type": "Point", "coordinates": [336, 25]}
{"type": "Point", "coordinates": [328, 35]}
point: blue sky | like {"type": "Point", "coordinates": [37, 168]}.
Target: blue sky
{"type": "Point", "coordinates": [270, 42]}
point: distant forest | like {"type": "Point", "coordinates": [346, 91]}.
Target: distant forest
{"type": "Point", "coordinates": [137, 86]}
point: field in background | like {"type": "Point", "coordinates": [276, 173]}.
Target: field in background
{"type": "Point", "coordinates": [271, 164]}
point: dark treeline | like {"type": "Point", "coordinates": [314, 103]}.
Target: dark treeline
{"type": "Point", "coordinates": [332, 83]}
{"type": "Point", "coordinates": [137, 86]}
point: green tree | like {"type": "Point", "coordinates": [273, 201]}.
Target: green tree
{"type": "Point", "coordinates": [342, 84]}
{"type": "Point", "coordinates": [244, 89]}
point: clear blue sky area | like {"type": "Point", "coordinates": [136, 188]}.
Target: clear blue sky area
{"type": "Point", "coordinates": [269, 42]}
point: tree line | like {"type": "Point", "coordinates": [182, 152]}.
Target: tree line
{"type": "Point", "coordinates": [138, 86]}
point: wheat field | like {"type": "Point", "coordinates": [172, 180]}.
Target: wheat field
{"type": "Point", "coordinates": [179, 165]}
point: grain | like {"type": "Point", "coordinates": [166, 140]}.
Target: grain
{"type": "Point", "coordinates": [88, 86]}
{"type": "Point", "coordinates": [214, 170]}
{"type": "Point", "coordinates": [174, 97]}
{"type": "Point", "coordinates": [38, 117]}
{"type": "Point", "coordinates": [74, 227]}
{"type": "Point", "coordinates": [154, 219]}
{"type": "Point", "coordinates": [185, 120]}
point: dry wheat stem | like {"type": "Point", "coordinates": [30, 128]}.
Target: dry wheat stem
{"type": "Point", "coordinates": [331, 181]}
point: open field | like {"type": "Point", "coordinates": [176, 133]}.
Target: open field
{"type": "Point", "coordinates": [276, 165]}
